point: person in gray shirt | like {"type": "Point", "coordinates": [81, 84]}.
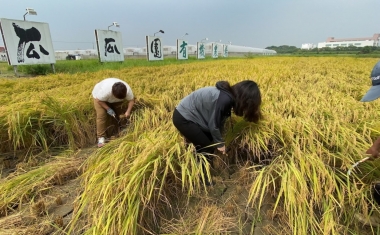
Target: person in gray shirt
{"type": "Point", "coordinates": [373, 94]}
{"type": "Point", "coordinates": [200, 116]}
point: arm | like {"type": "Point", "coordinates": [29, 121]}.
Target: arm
{"type": "Point", "coordinates": [215, 132]}
{"type": "Point", "coordinates": [217, 135]}
{"type": "Point", "coordinates": [221, 112]}
{"type": "Point", "coordinates": [129, 109]}
{"type": "Point", "coordinates": [374, 149]}
{"type": "Point", "coordinates": [102, 103]}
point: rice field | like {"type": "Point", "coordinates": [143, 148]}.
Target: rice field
{"type": "Point", "coordinates": [285, 175]}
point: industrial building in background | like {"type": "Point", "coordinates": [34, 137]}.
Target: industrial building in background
{"type": "Point", "coordinates": [3, 55]}
{"type": "Point", "coordinates": [346, 42]}
{"type": "Point", "coordinates": [308, 46]}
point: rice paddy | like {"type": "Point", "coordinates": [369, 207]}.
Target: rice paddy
{"type": "Point", "coordinates": [285, 175]}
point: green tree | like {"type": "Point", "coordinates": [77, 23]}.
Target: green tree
{"type": "Point", "coordinates": [284, 49]}
{"type": "Point", "coordinates": [366, 50]}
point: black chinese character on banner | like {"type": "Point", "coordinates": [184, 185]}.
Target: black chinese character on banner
{"type": "Point", "coordinates": [110, 46]}
{"type": "Point", "coordinates": [155, 48]}
{"type": "Point", "coordinates": [25, 36]}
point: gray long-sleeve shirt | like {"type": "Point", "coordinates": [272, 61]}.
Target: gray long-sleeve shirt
{"type": "Point", "coordinates": [208, 107]}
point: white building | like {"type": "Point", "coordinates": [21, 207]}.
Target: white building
{"type": "Point", "coordinates": [169, 50]}
{"type": "Point", "coordinates": [3, 57]}
{"type": "Point", "coordinates": [132, 51]}
{"type": "Point", "coordinates": [308, 46]}
{"type": "Point", "coordinates": [253, 50]}
{"type": "Point", "coordinates": [345, 42]}
{"type": "Point", "coordinates": [239, 49]}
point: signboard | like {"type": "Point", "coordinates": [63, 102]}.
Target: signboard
{"type": "Point", "coordinates": [201, 50]}
{"type": "Point", "coordinates": [154, 48]}
{"type": "Point", "coordinates": [225, 50]}
{"type": "Point", "coordinates": [182, 52]}
{"type": "Point", "coordinates": [110, 45]}
{"type": "Point", "coordinates": [214, 50]}
{"type": "Point", "coordinates": [27, 42]}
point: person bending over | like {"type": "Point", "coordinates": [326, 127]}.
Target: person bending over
{"type": "Point", "coordinates": [109, 96]}
{"type": "Point", "coordinates": [200, 116]}
{"type": "Point", "coordinates": [372, 94]}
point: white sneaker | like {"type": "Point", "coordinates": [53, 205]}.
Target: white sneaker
{"type": "Point", "coordinates": [101, 142]}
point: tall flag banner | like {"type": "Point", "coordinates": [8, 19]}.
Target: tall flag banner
{"type": "Point", "coordinates": [154, 48]}
{"type": "Point", "coordinates": [27, 42]}
{"type": "Point", "coordinates": [214, 50]}
{"type": "Point", "coordinates": [225, 50]}
{"type": "Point", "coordinates": [182, 52]}
{"type": "Point", "coordinates": [201, 50]}
{"type": "Point", "coordinates": [110, 45]}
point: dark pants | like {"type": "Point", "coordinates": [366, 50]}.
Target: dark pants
{"type": "Point", "coordinates": [194, 134]}
{"type": "Point", "coordinates": [376, 193]}
{"type": "Point", "coordinates": [199, 138]}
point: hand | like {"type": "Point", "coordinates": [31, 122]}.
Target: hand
{"type": "Point", "coordinates": [373, 151]}
{"type": "Point", "coordinates": [127, 114]}
{"type": "Point", "coordinates": [111, 112]}
{"type": "Point", "coordinates": [222, 149]}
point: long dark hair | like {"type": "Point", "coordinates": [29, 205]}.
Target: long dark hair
{"type": "Point", "coordinates": [247, 100]}
{"type": "Point", "coordinates": [224, 85]}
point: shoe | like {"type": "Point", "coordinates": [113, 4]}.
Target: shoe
{"type": "Point", "coordinates": [371, 220]}
{"type": "Point", "coordinates": [101, 142]}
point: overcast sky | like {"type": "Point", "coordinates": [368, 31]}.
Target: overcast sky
{"type": "Point", "coordinates": [253, 23]}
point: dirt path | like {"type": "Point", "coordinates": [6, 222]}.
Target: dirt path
{"type": "Point", "coordinates": [51, 212]}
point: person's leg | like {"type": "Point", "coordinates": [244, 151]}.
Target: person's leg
{"type": "Point", "coordinates": [376, 192]}
{"type": "Point", "coordinates": [101, 120]}
{"type": "Point", "coordinates": [193, 133]}
{"type": "Point", "coordinates": [119, 109]}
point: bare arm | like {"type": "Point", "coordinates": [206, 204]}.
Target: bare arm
{"type": "Point", "coordinates": [102, 103]}
{"type": "Point", "coordinates": [375, 148]}
{"type": "Point", "coordinates": [129, 109]}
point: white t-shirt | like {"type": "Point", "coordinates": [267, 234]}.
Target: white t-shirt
{"type": "Point", "coordinates": [103, 91]}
